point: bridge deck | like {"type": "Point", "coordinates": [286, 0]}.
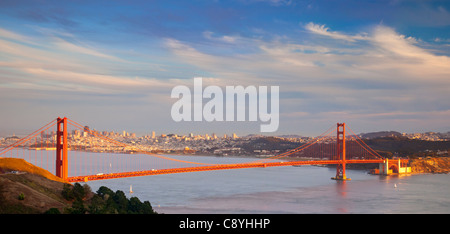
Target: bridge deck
{"type": "Point", "coordinates": [211, 168]}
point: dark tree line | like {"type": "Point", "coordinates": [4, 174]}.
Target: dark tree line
{"type": "Point", "coordinates": [105, 201]}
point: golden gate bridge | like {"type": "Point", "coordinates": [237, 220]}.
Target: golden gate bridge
{"type": "Point", "coordinates": [77, 162]}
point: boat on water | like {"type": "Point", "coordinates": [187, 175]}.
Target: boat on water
{"type": "Point", "coordinates": [131, 189]}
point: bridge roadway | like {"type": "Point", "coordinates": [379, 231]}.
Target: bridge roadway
{"type": "Point", "coordinates": [212, 168]}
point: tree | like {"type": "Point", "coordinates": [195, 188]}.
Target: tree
{"type": "Point", "coordinates": [52, 211]}
{"type": "Point", "coordinates": [103, 190]}
{"type": "Point", "coordinates": [78, 207]}
{"type": "Point", "coordinates": [147, 208]}
{"type": "Point", "coordinates": [121, 201]}
{"type": "Point", "coordinates": [135, 206]}
{"type": "Point", "coordinates": [67, 192]}
{"type": "Point", "coordinates": [104, 202]}
{"type": "Point", "coordinates": [87, 189]}
{"type": "Point", "coordinates": [97, 205]}
{"type": "Point", "coordinates": [78, 191]}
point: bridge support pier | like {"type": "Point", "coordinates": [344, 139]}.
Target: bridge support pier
{"type": "Point", "coordinates": [340, 173]}
{"type": "Point", "coordinates": [340, 153]}
{"type": "Point", "coordinates": [393, 166]}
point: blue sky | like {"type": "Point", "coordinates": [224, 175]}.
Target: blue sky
{"type": "Point", "coordinates": [376, 65]}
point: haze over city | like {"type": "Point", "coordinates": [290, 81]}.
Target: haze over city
{"type": "Point", "coordinates": [111, 65]}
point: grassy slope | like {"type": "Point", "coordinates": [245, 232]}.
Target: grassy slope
{"type": "Point", "coordinates": [41, 189]}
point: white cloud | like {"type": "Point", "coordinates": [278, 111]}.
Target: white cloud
{"type": "Point", "coordinates": [376, 75]}
{"type": "Point", "coordinates": [324, 31]}
{"type": "Point", "coordinates": [7, 34]}
{"type": "Point", "coordinates": [70, 47]}
{"type": "Point", "coordinates": [50, 61]}
{"type": "Point", "coordinates": [108, 82]}
{"type": "Point", "coordinates": [388, 75]}
{"type": "Point", "coordinates": [384, 56]}
{"type": "Point", "coordinates": [225, 38]}
{"type": "Point", "coordinates": [397, 52]}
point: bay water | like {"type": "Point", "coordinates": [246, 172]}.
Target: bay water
{"type": "Point", "coordinates": [285, 190]}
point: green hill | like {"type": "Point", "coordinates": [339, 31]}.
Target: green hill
{"type": "Point", "coordinates": [27, 189]}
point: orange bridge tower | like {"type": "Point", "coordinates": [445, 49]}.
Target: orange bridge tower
{"type": "Point", "coordinates": [340, 153]}
{"type": "Point", "coordinates": [61, 148]}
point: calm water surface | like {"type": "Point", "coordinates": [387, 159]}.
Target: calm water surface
{"type": "Point", "coordinates": [306, 189]}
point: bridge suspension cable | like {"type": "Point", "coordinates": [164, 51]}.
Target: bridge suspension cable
{"type": "Point", "coordinates": [118, 143]}
{"type": "Point", "coordinates": [366, 147]}
{"type": "Point", "coordinates": [28, 137]}
{"type": "Point", "coordinates": [300, 148]}
{"type": "Point", "coordinates": [85, 164]}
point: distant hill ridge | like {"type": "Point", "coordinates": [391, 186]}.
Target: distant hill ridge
{"type": "Point", "coordinates": [372, 135]}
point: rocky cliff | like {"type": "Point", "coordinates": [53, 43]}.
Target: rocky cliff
{"type": "Point", "coordinates": [430, 165]}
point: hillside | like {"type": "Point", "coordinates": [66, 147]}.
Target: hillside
{"type": "Point", "coordinates": [372, 135]}
{"type": "Point", "coordinates": [405, 147]}
{"type": "Point", "coordinates": [39, 189]}
{"type": "Point", "coordinates": [27, 189]}
{"type": "Point", "coordinates": [16, 164]}
{"type": "Point", "coordinates": [430, 165]}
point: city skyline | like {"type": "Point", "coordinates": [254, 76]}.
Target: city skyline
{"type": "Point", "coordinates": [376, 66]}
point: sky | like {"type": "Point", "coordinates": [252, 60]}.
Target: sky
{"type": "Point", "coordinates": [375, 65]}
